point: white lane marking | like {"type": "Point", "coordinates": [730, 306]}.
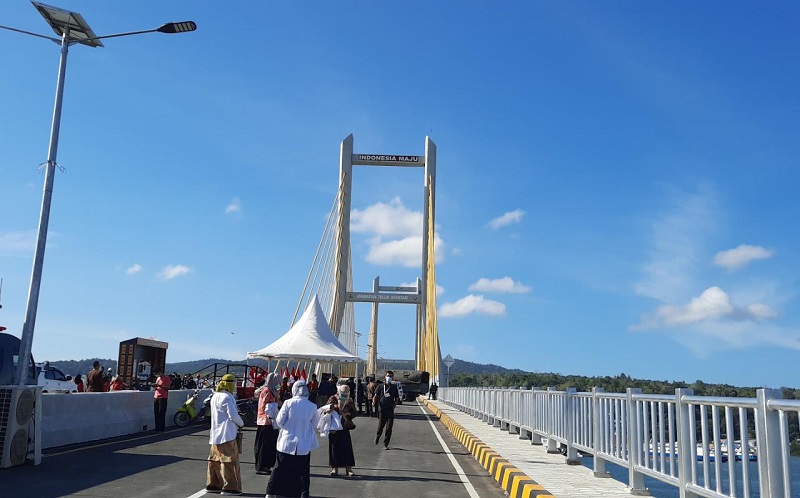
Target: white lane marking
{"type": "Point", "coordinates": [200, 493]}
{"type": "Point", "coordinates": [459, 470]}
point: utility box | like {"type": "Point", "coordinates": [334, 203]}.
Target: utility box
{"type": "Point", "coordinates": [140, 359]}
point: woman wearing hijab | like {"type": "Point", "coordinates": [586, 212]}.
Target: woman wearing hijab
{"type": "Point", "coordinates": [297, 419]}
{"type": "Point", "coordinates": [223, 461]}
{"type": "Point", "coordinates": [340, 445]}
{"type": "Point", "coordinates": [267, 432]}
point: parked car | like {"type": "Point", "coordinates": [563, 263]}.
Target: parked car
{"type": "Point", "coordinates": [53, 380]}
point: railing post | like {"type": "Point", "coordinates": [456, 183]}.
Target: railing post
{"type": "Point", "coordinates": [538, 416]}
{"type": "Point", "coordinates": [515, 423]}
{"type": "Point", "coordinates": [635, 479]}
{"type": "Point", "coordinates": [687, 442]}
{"type": "Point", "coordinates": [768, 443]}
{"type": "Point", "coordinates": [571, 419]}
{"type": "Point", "coordinates": [599, 463]}
{"type": "Point", "coordinates": [526, 414]}
{"type": "Point", "coordinates": [550, 414]}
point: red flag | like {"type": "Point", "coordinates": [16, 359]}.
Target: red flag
{"type": "Point", "coordinates": [303, 374]}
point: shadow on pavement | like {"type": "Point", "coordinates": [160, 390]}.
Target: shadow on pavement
{"type": "Point", "coordinates": [71, 469]}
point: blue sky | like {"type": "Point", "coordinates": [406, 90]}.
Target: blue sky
{"type": "Point", "coordinates": [616, 180]}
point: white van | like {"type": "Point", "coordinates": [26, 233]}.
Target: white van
{"type": "Point", "coordinates": [53, 380]}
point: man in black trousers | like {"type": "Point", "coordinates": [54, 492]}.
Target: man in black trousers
{"type": "Point", "coordinates": [387, 400]}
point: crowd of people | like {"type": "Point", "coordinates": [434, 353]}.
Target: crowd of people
{"type": "Point", "coordinates": [289, 414]}
{"type": "Point", "coordinates": [290, 417]}
{"type": "Point", "coordinates": [102, 380]}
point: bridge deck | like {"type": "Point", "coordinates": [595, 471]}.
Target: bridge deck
{"type": "Point", "coordinates": [548, 470]}
{"type": "Point", "coordinates": [424, 459]}
{"type": "Point", "coordinates": [173, 465]}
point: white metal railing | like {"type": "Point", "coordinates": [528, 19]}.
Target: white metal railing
{"type": "Point", "coordinates": [702, 445]}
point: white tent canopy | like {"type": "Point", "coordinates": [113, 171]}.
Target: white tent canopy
{"type": "Point", "coordinates": [310, 338]}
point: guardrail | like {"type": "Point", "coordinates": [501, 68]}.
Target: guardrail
{"type": "Point", "coordinates": [701, 445]}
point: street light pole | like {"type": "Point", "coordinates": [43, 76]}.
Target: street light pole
{"type": "Point", "coordinates": [73, 29]}
{"type": "Point", "coordinates": [44, 220]}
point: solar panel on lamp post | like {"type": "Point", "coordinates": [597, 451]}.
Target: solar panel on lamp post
{"type": "Point", "coordinates": [71, 29]}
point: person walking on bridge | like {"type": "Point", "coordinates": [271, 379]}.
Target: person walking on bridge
{"type": "Point", "coordinates": [267, 432]}
{"type": "Point", "coordinates": [372, 408]}
{"type": "Point", "coordinates": [340, 445]}
{"type": "Point", "coordinates": [298, 420]}
{"type": "Point", "coordinates": [387, 396]}
{"type": "Point", "coordinates": [224, 475]}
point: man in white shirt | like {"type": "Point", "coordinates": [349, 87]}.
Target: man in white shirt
{"type": "Point", "coordinates": [297, 419]}
{"type": "Point", "coordinates": [223, 474]}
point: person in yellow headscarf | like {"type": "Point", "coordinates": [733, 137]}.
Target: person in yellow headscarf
{"type": "Point", "coordinates": [223, 473]}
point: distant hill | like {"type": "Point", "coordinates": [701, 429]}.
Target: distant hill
{"type": "Point", "coordinates": [467, 367]}
{"type": "Point", "coordinates": [72, 367]}
{"type": "Point", "coordinates": [466, 373]}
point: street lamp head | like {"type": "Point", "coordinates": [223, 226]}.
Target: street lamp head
{"type": "Point", "coordinates": [177, 27]}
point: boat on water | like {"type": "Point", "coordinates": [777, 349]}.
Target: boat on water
{"type": "Point", "coordinates": [708, 453]}
{"type": "Point", "coordinates": [739, 453]}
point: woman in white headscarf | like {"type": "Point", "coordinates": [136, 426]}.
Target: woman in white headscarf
{"type": "Point", "coordinates": [297, 419]}
{"type": "Point", "coordinates": [267, 432]}
{"type": "Point", "coordinates": [340, 445]}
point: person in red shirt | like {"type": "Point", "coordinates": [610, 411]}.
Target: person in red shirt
{"type": "Point", "coordinates": [160, 400]}
{"type": "Point", "coordinates": [79, 382]}
{"type": "Point", "coordinates": [313, 387]}
{"type": "Point", "coordinates": [117, 384]}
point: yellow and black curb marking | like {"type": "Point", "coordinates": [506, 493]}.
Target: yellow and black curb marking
{"type": "Point", "coordinates": [513, 480]}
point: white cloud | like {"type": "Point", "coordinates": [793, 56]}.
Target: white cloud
{"type": "Point", "coordinates": [678, 265]}
{"type": "Point", "coordinates": [679, 236]}
{"type": "Point", "coordinates": [472, 304]}
{"type": "Point", "coordinates": [507, 219]}
{"type": "Point", "coordinates": [405, 252]}
{"type": "Point", "coordinates": [505, 285]}
{"type": "Point", "coordinates": [173, 271]}
{"type": "Point", "coordinates": [733, 259]}
{"type": "Point", "coordinates": [439, 288]}
{"type": "Point", "coordinates": [710, 306]}
{"type": "Point", "coordinates": [136, 268]}
{"type": "Point", "coordinates": [387, 220]}
{"type": "Point", "coordinates": [397, 234]}
{"type": "Point", "coordinates": [456, 251]}
{"type": "Point", "coordinates": [234, 206]}
{"type": "Point", "coordinates": [13, 243]}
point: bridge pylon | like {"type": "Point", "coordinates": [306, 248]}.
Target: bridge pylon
{"type": "Point", "coordinates": [427, 351]}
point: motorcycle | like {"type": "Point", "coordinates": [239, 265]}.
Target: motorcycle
{"type": "Point", "coordinates": [188, 413]}
{"type": "Point", "coordinates": [248, 410]}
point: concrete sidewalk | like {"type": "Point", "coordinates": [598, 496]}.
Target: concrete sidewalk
{"type": "Point", "coordinates": [522, 469]}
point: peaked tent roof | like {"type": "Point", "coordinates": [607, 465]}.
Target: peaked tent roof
{"type": "Point", "coordinates": [310, 338]}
